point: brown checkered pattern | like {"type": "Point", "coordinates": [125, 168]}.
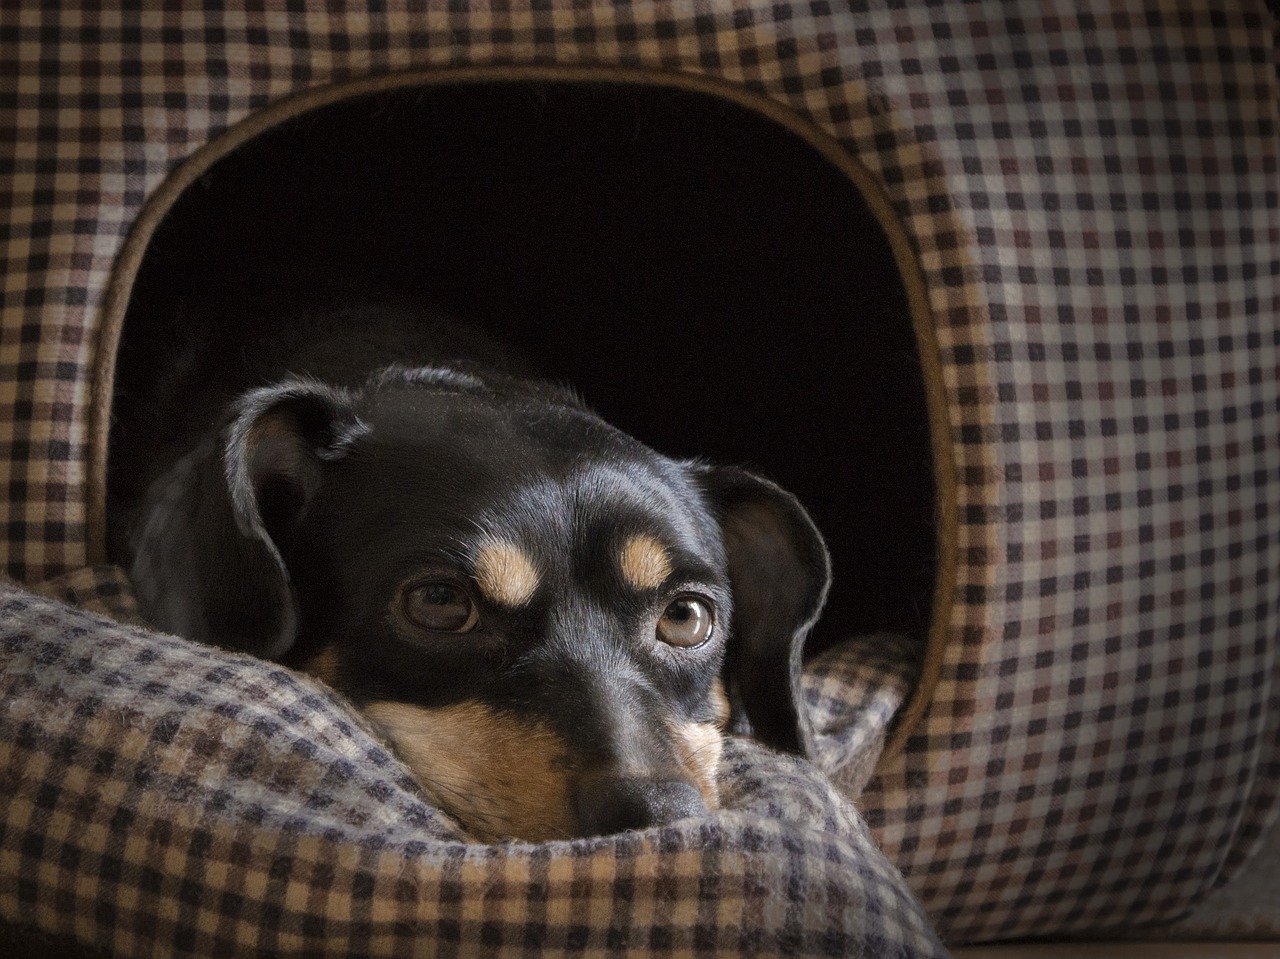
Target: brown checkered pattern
{"type": "Point", "coordinates": [1091, 195]}
{"type": "Point", "coordinates": [98, 589]}
{"type": "Point", "coordinates": [164, 798]}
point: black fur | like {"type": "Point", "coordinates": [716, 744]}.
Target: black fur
{"type": "Point", "coordinates": [302, 480]}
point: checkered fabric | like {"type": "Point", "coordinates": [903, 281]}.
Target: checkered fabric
{"type": "Point", "coordinates": [101, 589]}
{"type": "Point", "coordinates": [853, 693]}
{"type": "Point", "coordinates": [1090, 193]}
{"type": "Point", "coordinates": [166, 798]}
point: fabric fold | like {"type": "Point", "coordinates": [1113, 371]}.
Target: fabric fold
{"type": "Point", "coordinates": [163, 796]}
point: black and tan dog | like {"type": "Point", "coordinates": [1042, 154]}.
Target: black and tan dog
{"type": "Point", "coordinates": [535, 609]}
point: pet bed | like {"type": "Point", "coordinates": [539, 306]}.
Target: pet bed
{"type": "Point", "coordinates": [167, 798]}
{"type": "Point", "coordinates": [1081, 205]}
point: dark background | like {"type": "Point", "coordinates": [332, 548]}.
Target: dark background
{"type": "Point", "coordinates": [707, 281]}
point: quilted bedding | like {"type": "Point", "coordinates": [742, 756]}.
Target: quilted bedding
{"type": "Point", "coordinates": [162, 797]}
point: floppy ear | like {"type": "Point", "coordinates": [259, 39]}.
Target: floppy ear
{"type": "Point", "coordinates": [779, 571]}
{"type": "Point", "coordinates": [205, 560]}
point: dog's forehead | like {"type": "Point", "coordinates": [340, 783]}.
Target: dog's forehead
{"type": "Point", "coordinates": [535, 483]}
{"type": "Point", "coordinates": [594, 501]}
{"type": "Point", "coordinates": [585, 492]}
{"type": "Point", "coordinates": [485, 432]}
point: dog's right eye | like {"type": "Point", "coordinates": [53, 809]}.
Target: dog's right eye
{"type": "Point", "coordinates": [441, 606]}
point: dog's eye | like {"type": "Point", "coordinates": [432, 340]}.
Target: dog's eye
{"type": "Point", "coordinates": [440, 605]}
{"type": "Point", "coordinates": [686, 622]}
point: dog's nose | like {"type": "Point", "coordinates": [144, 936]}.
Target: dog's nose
{"type": "Point", "coordinates": [607, 804]}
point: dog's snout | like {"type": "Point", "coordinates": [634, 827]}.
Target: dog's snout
{"type": "Point", "coordinates": [608, 804]}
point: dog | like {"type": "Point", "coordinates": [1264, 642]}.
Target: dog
{"type": "Point", "coordinates": [550, 623]}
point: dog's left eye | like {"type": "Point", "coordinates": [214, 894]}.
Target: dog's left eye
{"type": "Point", "coordinates": [441, 606]}
{"type": "Point", "coordinates": [686, 623]}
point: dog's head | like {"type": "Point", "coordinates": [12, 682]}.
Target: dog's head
{"type": "Point", "coordinates": [540, 613]}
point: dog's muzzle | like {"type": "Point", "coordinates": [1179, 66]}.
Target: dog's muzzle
{"type": "Point", "coordinates": [605, 804]}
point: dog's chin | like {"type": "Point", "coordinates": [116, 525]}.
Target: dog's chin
{"type": "Point", "coordinates": [502, 779]}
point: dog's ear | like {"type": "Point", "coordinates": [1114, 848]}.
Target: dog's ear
{"type": "Point", "coordinates": [207, 563]}
{"type": "Point", "coordinates": [779, 572]}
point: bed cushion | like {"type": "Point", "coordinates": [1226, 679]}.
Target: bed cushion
{"type": "Point", "coordinates": [163, 797]}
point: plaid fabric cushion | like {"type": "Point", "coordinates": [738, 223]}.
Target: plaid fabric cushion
{"type": "Point", "coordinates": [161, 797]}
{"type": "Point", "coordinates": [1088, 192]}
{"type": "Point", "coordinates": [101, 589]}
{"type": "Point", "coordinates": [854, 691]}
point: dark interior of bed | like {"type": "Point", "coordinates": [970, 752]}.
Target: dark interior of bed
{"type": "Point", "coordinates": [707, 280]}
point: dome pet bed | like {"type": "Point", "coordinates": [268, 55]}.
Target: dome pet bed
{"type": "Point", "coordinates": [1081, 208]}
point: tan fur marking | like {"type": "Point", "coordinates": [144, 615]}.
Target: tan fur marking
{"type": "Point", "coordinates": [505, 573]}
{"type": "Point", "coordinates": [644, 561]}
{"type": "Point", "coordinates": [323, 666]}
{"type": "Point", "coordinates": [700, 746]}
{"type": "Point", "coordinates": [500, 778]}
{"type": "Point", "coordinates": [719, 703]}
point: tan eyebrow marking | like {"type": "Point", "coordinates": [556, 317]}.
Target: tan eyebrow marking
{"type": "Point", "coordinates": [505, 573]}
{"type": "Point", "coordinates": [644, 561]}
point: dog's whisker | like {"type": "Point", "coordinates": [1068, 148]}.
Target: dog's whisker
{"type": "Point", "coordinates": [715, 745]}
